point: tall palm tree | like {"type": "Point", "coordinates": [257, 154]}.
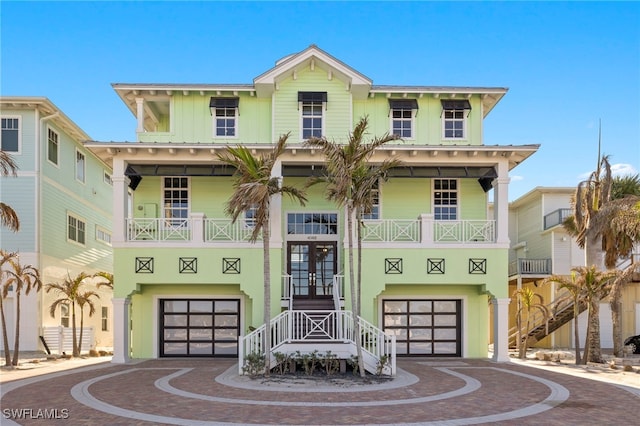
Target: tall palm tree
{"type": "Point", "coordinates": [84, 298]}
{"type": "Point", "coordinates": [8, 216]}
{"type": "Point", "coordinates": [4, 289]}
{"type": "Point", "coordinates": [21, 277]}
{"type": "Point", "coordinates": [528, 302]}
{"type": "Point", "coordinates": [253, 188]}
{"type": "Point", "coordinates": [68, 292]}
{"type": "Point", "coordinates": [350, 181]}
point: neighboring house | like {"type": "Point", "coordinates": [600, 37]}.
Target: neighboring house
{"type": "Point", "coordinates": [540, 247]}
{"type": "Point", "coordinates": [189, 284]}
{"type": "Point", "coordinates": [63, 197]}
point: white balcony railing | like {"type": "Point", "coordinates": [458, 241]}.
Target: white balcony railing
{"type": "Point", "coordinates": [424, 231]}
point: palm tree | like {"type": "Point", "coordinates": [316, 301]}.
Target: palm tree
{"type": "Point", "coordinates": [625, 185]}
{"type": "Point", "coordinates": [68, 291]}
{"type": "Point", "coordinates": [596, 286]}
{"type": "Point", "coordinates": [108, 279]}
{"type": "Point", "coordinates": [575, 287]}
{"type": "Point", "coordinates": [529, 302]}
{"type": "Point", "coordinates": [21, 277]}
{"type": "Point", "coordinates": [4, 258]}
{"type": "Point", "coordinates": [84, 298]}
{"type": "Point", "coordinates": [8, 216]}
{"type": "Point", "coordinates": [350, 181]}
{"type": "Point", "coordinates": [253, 188]}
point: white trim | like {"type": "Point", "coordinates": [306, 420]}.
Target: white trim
{"type": "Point", "coordinates": [463, 313]}
{"type": "Point", "coordinates": [323, 119]}
{"type": "Point", "coordinates": [19, 118]}
{"type": "Point", "coordinates": [162, 189]}
{"type": "Point", "coordinates": [104, 231]}
{"type": "Point", "coordinates": [465, 119]}
{"type": "Point", "coordinates": [412, 121]}
{"type": "Point", "coordinates": [214, 127]}
{"type": "Point", "coordinates": [108, 175]}
{"type": "Point", "coordinates": [155, 308]}
{"type": "Point", "coordinates": [310, 237]}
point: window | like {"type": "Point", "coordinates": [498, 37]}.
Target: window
{"type": "Point", "coordinates": [454, 121]}
{"type": "Point", "coordinates": [107, 178]}
{"type": "Point", "coordinates": [402, 113]}
{"type": "Point", "coordinates": [52, 146]}
{"type": "Point", "coordinates": [375, 204]}
{"type": "Point", "coordinates": [445, 199]}
{"type": "Point", "coordinates": [312, 223]}
{"type": "Point", "coordinates": [225, 112]}
{"type": "Point", "coordinates": [105, 318]}
{"type": "Point", "coordinates": [312, 105]}
{"type": "Point", "coordinates": [103, 235]}
{"type": "Point", "coordinates": [10, 141]}
{"type": "Point", "coordinates": [176, 200]}
{"type": "Point", "coordinates": [76, 229]}
{"type": "Point", "coordinates": [64, 315]}
{"type": "Point", "coordinates": [80, 166]}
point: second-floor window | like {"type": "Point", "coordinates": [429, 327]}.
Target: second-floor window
{"type": "Point", "coordinates": [76, 229]}
{"type": "Point", "coordinates": [80, 166]}
{"type": "Point", "coordinates": [402, 112]}
{"type": "Point", "coordinates": [10, 137]}
{"type": "Point", "coordinates": [454, 118]}
{"type": "Point", "coordinates": [105, 318]}
{"type": "Point", "coordinates": [225, 116]}
{"type": "Point", "coordinates": [312, 105]}
{"type": "Point", "coordinates": [176, 200]}
{"type": "Point", "coordinates": [445, 199]}
{"type": "Point", "coordinates": [52, 146]}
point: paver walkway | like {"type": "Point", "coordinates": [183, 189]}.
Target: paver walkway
{"type": "Point", "coordinates": [209, 392]}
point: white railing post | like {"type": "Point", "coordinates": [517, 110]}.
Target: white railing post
{"type": "Point", "coordinates": [197, 227]}
{"type": "Point", "coordinates": [426, 228]}
{"type": "Point", "coordinates": [240, 354]}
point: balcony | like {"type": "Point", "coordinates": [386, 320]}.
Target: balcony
{"type": "Point", "coordinates": [530, 267]}
{"type": "Point", "coordinates": [556, 217]}
{"type": "Point", "coordinates": [421, 232]}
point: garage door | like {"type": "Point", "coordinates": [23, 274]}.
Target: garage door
{"type": "Point", "coordinates": [430, 328]}
{"type": "Point", "coordinates": [199, 327]}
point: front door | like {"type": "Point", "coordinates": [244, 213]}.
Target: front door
{"type": "Point", "coordinates": [312, 266]}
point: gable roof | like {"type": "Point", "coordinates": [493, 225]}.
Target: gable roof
{"type": "Point", "coordinates": [266, 83]}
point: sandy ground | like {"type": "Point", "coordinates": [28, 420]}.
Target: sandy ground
{"type": "Point", "coordinates": [34, 364]}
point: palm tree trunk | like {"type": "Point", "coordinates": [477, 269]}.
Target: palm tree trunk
{"type": "Point", "coordinates": [595, 353]}
{"type": "Point", "coordinates": [5, 338]}
{"type": "Point", "coordinates": [616, 318]}
{"type": "Point", "coordinates": [267, 297]}
{"type": "Point", "coordinates": [587, 339]}
{"type": "Point", "coordinates": [359, 288]}
{"type": "Point", "coordinates": [74, 338]}
{"type": "Point", "coordinates": [576, 334]}
{"type": "Point", "coordinates": [81, 330]}
{"type": "Point", "coordinates": [352, 287]}
{"type": "Point", "coordinates": [16, 338]}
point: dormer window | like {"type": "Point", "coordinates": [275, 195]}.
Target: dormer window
{"type": "Point", "coordinates": [402, 113]}
{"type": "Point", "coordinates": [312, 105]}
{"type": "Point", "coordinates": [454, 118]}
{"type": "Point", "coordinates": [225, 116]}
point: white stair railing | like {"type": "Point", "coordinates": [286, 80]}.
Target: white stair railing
{"type": "Point", "coordinates": [322, 326]}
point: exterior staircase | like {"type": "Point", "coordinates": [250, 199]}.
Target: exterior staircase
{"type": "Point", "coordinates": [562, 312]}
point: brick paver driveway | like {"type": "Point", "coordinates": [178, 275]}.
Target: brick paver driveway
{"type": "Point", "coordinates": [209, 392]}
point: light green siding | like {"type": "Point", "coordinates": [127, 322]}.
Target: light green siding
{"type": "Point", "coordinates": [396, 192]}
{"type": "Point", "coordinates": [26, 157]}
{"type": "Point", "coordinates": [336, 116]}
{"type": "Point", "coordinates": [20, 194]}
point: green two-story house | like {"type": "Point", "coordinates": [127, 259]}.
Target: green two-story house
{"type": "Point", "coordinates": [435, 266]}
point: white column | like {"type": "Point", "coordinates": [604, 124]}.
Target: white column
{"type": "Point", "coordinates": [500, 329]}
{"type": "Point", "coordinates": [197, 228]}
{"type": "Point", "coordinates": [275, 209]}
{"type": "Point", "coordinates": [121, 344]}
{"type": "Point", "coordinates": [140, 114]}
{"type": "Point", "coordinates": [120, 201]}
{"type": "Point", "coordinates": [501, 203]}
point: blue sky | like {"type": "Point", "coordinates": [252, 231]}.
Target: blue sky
{"type": "Point", "coordinates": [567, 64]}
